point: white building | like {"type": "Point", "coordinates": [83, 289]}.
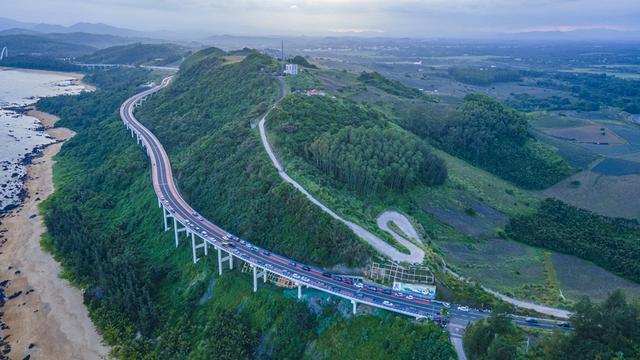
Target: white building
{"type": "Point", "coordinates": [291, 69]}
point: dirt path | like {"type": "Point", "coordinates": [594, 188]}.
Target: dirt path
{"type": "Point", "coordinates": [416, 255]}
{"type": "Point", "coordinates": [49, 315]}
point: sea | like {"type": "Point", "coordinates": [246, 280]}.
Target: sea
{"type": "Point", "coordinates": [22, 137]}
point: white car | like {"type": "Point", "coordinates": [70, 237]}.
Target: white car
{"type": "Point", "coordinates": [446, 304]}
{"type": "Point", "coordinates": [409, 297]}
{"type": "Point", "coordinates": [387, 303]}
{"type": "Point", "coordinates": [463, 308]}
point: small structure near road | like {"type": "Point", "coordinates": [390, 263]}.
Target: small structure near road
{"type": "Point", "coordinates": [413, 278]}
{"type": "Point", "coordinates": [315, 92]}
{"type": "Point", "coordinates": [291, 69]}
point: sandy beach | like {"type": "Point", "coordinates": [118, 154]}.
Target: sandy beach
{"type": "Point", "coordinates": [77, 76]}
{"type": "Point", "coordinates": [48, 319]}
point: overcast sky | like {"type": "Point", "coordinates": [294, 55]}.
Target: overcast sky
{"type": "Point", "coordinates": [320, 17]}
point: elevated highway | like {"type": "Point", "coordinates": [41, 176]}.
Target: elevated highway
{"type": "Point", "coordinates": [205, 237]}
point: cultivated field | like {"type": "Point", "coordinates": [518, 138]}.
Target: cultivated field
{"type": "Point", "coordinates": [587, 134]}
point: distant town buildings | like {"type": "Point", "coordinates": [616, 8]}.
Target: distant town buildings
{"type": "Point", "coordinates": [291, 69]}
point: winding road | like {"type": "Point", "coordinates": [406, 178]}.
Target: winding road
{"type": "Point", "coordinates": [416, 254]}
{"type": "Point", "coordinates": [204, 234]}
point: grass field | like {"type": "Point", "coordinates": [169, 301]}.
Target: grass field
{"type": "Point", "coordinates": [579, 278]}
{"type": "Point", "coordinates": [606, 195]}
{"type": "Point", "coordinates": [587, 134]}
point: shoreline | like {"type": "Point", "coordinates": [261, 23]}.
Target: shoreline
{"type": "Point", "coordinates": [44, 314]}
{"type": "Point", "coordinates": [75, 75]}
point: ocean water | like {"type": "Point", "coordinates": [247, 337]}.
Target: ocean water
{"type": "Point", "coordinates": [22, 136]}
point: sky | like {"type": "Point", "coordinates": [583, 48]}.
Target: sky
{"type": "Point", "coordinates": [414, 18]}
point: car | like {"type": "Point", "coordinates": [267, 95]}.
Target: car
{"type": "Point", "coordinates": [359, 295]}
{"type": "Point", "coordinates": [197, 228]}
{"type": "Point", "coordinates": [304, 278]}
{"type": "Point", "coordinates": [387, 303]}
{"type": "Point", "coordinates": [446, 305]}
{"type": "Point", "coordinates": [347, 281]}
{"type": "Point", "coordinates": [359, 285]}
{"type": "Point", "coordinates": [372, 288]}
{"type": "Point", "coordinates": [387, 292]}
{"type": "Point", "coordinates": [266, 253]}
{"type": "Point", "coordinates": [203, 233]}
{"type": "Point", "coordinates": [326, 274]}
{"type": "Point", "coordinates": [463, 308]}
{"type": "Point", "coordinates": [225, 238]}
{"type": "Point", "coordinates": [337, 277]}
{"type": "Point", "coordinates": [409, 297]}
{"type": "Point", "coordinates": [227, 244]}
{"type": "Point", "coordinates": [194, 213]}
{"type": "Point", "coordinates": [564, 325]}
{"type": "Point", "coordinates": [296, 276]}
{"type": "Point", "coordinates": [306, 268]}
{"type": "Point", "coordinates": [531, 320]}
{"type": "Point", "coordinates": [199, 218]}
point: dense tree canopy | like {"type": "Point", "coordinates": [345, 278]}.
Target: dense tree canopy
{"type": "Point", "coordinates": [376, 159]}
{"type": "Point", "coordinates": [496, 138]}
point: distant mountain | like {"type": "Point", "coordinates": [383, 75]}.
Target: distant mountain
{"type": "Point", "coordinates": [6, 24]}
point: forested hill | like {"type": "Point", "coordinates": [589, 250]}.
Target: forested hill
{"type": "Point", "coordinates": [204, 120]}
{"type": "Point", "coordinates": [147, 298]}
{"type": "Point", "coordinates": [137, 54]}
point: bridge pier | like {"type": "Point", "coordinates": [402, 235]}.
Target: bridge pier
{"type": "Point", "coordinates": [355, 306]}
{"type": "Point", "coordinates": [221, 260]}
{"type": "Point", "coordinates": [299, 291]}
{"type": "Point", "coordinates": [176, 231]}
{"type": "Point", "coordinates": [256, 275]}
{"type": "Point", "coordinates": [194, 247]}
{"type": "Point", "coordinates": [165, 215]}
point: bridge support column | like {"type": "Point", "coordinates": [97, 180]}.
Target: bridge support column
{"type": "Point", "coordinates": [256, 275]}
{"type": "Point", "coordinates": [159, 203]}
{"type": "Point", "coordinates": [355, 305]}
{"type": "Point", "coordinates": [223, 259]}
{"type": "Point", "coordinates": [194, 247]}
{"type": "Point", "coordinates": [176, 231]}
{"type": "Point", "coordinates": [165, 215]}
{"type": "Point", "coordinates": [299, 291]}
{"type": "Point", "coordinates": [255, 279]}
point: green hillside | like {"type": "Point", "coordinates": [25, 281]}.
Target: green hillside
{"type": "Point", "coordinates": [134, 278]}
{"type": "Point", "coordinates": [137, 54]}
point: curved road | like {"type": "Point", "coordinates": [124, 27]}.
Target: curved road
{"type": "Point", "coordinates": [211, 235]}
{"type": "Point", "coordinates": [416, 254]}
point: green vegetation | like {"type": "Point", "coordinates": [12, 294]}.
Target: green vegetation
{"type": "Point", "coordinates": [305, 80]}
{"type": "Point", "coordinates": [33, 45]}
{"type": "Point", "coordinates": [496, 337]}
{"type": "Point", "coordinates": [300, 60]}
{"type": "Point", "coordinates": [225, 174]}
{"type": "Point", "coordinates": [596, 90]}
{"type": "Point", "coordinates": [137, 54]}
{"type": "Point", "coordinates": [599, 331]}
{"type": "Point", "coordinates": [392, 87]}
{"type": "Point", "coordinates": [484, 76]}
{"type": "Point", "coordinates": [136, 283]}
{"type": "Point", "coordinates": [609, 330]}
{"type": "Point", "coordinates": [369, 337]}
{"type": "Point", "coordinates": [353, 145]}
{"type": "Point", "coordinates": [496, 138]}
{"type": "Point", "coordinates": [38, 62]}
{"type": "Point", "coordinates": [610, 243]}
{"type": "Point", "coordinates": [375, 159]}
